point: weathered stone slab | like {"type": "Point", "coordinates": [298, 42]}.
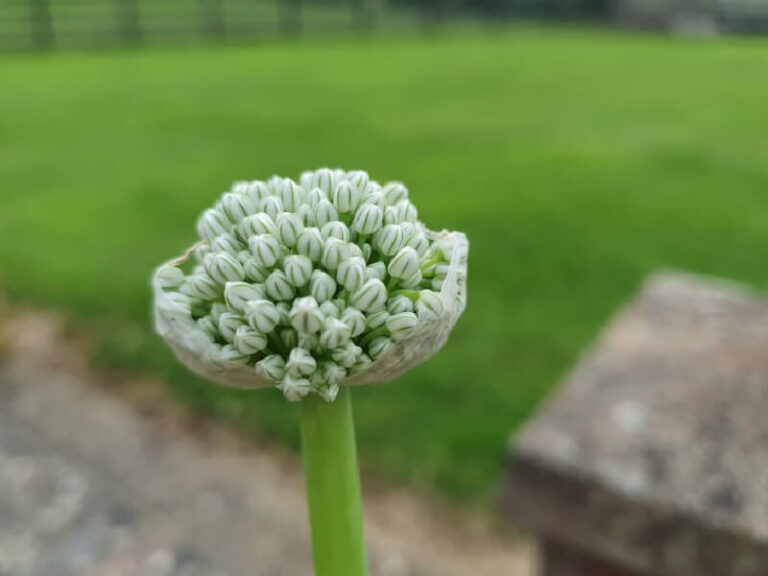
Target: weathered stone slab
{"type": "Point", "coordinates": [653, 455]}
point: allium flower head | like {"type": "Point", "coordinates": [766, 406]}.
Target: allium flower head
{"type": "Point", "coordinates": [311, 285]}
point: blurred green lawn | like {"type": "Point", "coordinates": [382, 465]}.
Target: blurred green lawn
{"type": "Point", "coordinates": [576, 162]}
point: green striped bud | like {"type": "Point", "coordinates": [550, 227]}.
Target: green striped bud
{"type": "Point", "coordinates": [358, 178]}
{"type": "Point", "coordinates": [266, 250]}
{"type": "Point", "coordinates": [272, 206]}
{"type": "Point", "coordinates": [275, 182]}
{"type": "Point", "coordinates": [305, 179]}
{"type": "Point", "coordinates": [217, 309]}
{"type": "Point", "coordinates": [285, 310]}
{"type": "Point", "coordinates": [309, 341]}
{"type": "Point", "coordinates": [335, 230]}
{"type": "Point", "coordinates": [355, 320]}
{"type": "Point", "coordinates": [331, 372]}
{"type": "Point", "coordinates": [328, 392]}
{"type": "Point", "coordinates": [346, 355]}
{"type": "Point", "coordinates": [329, 309]}
{"type": "Point", "coordinates": [429, 305]}
{"type": "Point", "coordinates": [227, 243]}
{"type": "Point", "coordinates": [376, 270]}
{"type": "Point", "coordinates": [389, 239]}
{"type": "Point", "coordinates": [404, 264]}
{"type": "Point", "coordinates": [418, 242]}
{"type": "Point", "coordinates": [237, 206]}
{"type": "Point", "coordinates": [306, 316]}
{"type": "Point", "coordinates": [368, 219]}
{"type": "Point", "coordinates": [333, 253]}
{"type": "Point", "coordinates": [180, 301]}
{"type": "Point", "coordinates": [324, 179]}
{"type": "Point", "coordinates": [335, 333]}
{"type": "Point", "coordinates": [279, 287]}
{"type": "Point", "coordinates": [257, 224]}
{"type": "Point", "coordinates": [370, 296]}
{"type": "Point", "coordinates": [391, 216]}
{"type": "Point", "coordinates": [363, 363]}
{"type": "Point", "coordinates": [212, 223]}
{"type": "Point", "coordinates": [201, 250]}
{"type": "Point", "coordinates": [238, 294]}
{"type": "Point", "coordinates": [352, 251]}
{"type": "Point", "coordinates": [208, 327]}
{"type": "Point", "coordinates": [295, 389]}
{"type": "Point", "coordinates": [254, 272]}
{"type": "Point", "coordinates": [346, 197]}
{"type": "Point", "coordinates": [291, 195]}
{"type": "Point", "coordinates": [272, 367]}
{"type": "Point", "coordinates": [300, 363]}
{"type": "Point", "coordinates": [399, 304]}
{"type": "Point", "coordinates": [289, 227]}
{"type": "Point", "coordinates": [321, 286]}
{"type": "Point", "coordinates": [413, 281]}
{"type": "Point", "coordinates": [298, 269]}
{"type": "Point", "coordinates": [401, 325]}
{"type": "Point", "coordinates": [310, 243]}
{"type": "Point", "coordinates": [201, 286]}
{"type": "Point", "coordinates": [376, 319]}
{"type": "Point", "coordinates": [378, 346]}
{"type": "Point", "coordinates": [231, 354]}
{"type": "Point", "coordinates": [437, 284]}
{"type": "Point", "coordinates": [394, 192]}
{"type": "Point", "coordinates": [314, 196]}
{"type": "Point", "coordinates": [228, 325]}
{"type": "Point", "coordinates": [223, 268]}
{"type": "Point", "coordinates": [289, 337]}
{"type": "Point", "coordinates": [325, 212]}
{"type": "Point", "coordinates": [170, 277]}
{"type": "Point", "coordinates": [406, 212]}
{"type": "Point", "coordinates": [262, 315]}
{"type": "Point", "coordinates": [367, 251]}
{"type": "Point", "coordinates": [249, 341]}
{"type": "Point", "coordinates": [257, 191]}
{"type": "Point", "coordinates": [376, 199]}
{"type": "Point", "coordinates": [307, 215]}
{"type": "Point", "coordinates": [351, 273]}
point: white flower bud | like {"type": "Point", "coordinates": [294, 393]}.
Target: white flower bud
{"type": "Point", "coordinates": [355, 320]}
{"type": "Point", "coordinates": [368, 219]}
{"type": "Point", "coordinates": [208, 327]}
{"type": "Point", "coordinates": [367, 251]}
{"type": "Point", "coordinates": [211, 224]}
{"type": "Point", "coordinates": [305, 179]}
{"type": "Point", "coordinates": [405, 263]}
{"type": "Point", "coordinates": [353, 251]}
{"type": "Point", "coordinates": [391, 216]}
{"type": "Point", "coordinates": [376, 270]}
{"type": "Point", "coordinates": [310, 243]}
{"type": "Point", "coordinates": [262, 315]}
{"type": "Point", "coordinates": [358, 178]}
{"type": "Point", "coordinates": [429, 305]}
{"type": "Point", "coordinates": [237, 206]}
{"type": "Point", "coordinates": [228, 325]}
{"type": "Point", "coordinates": [370, 296]}
{"type": "Point", "coordinates": [217, 309]}
{"type": "Point", "coordinates": [406, 212]}
{"type": "Point", "coordinates": [441, 271]}
{"type": "Point", "coordinates": [418, 242]}
{"type": "Point", "coordinates": [291, 194]}
{"type": "Point", "coordinates": [376, 319]}
{"type": "Point", "coordinates": [231, 354]}
{"type": "Point", "coordinates": [328, 392]}
{"type": "Point", "coordinates": [347, 355]}
{"type": "Point", "coordinates": [321, 286]}
{"type": "Point", "coordinates": [295, 389]}
{"type": "Point", "coordinates": [333, 253]}
{"type": "Point", "coordinates": [272, 367]}
{"type": "Point", "coordinates": [325, 212]}
{"type": "Point", "coordinates": [307, 214]}
{"type": "Point", "coordinates": [351, 273]}
{"type": "Point", "coordinates": [257, 224]}
{"type": "Point", "coordinates": [413, 281]}
{"type": "Point", "coordinates": [275, 182]}
{"type": "Point", "coordinates": [308, 341]}
{"type": "Point", "coordinates": [399, 304]}
{"type": "Point", "coordinates": [378, 346]}
{"type": "Point", "coordinates": [306, 316]}
{"type": "Point", "coordinates": [346, 197]}
{"type": "Point", "coordinates": [201, 286]}
{"type": "Point", "coordinates": [227, 243]}
{"type": "Point", "coordinates": [437, 285]}
{"type": "Point", "coordinates": [389, 239]}
{"type": "Point", "coordinates": [363, 363]}
{"type": "Point", "coordinates": [272, 206]}
{"type": "Point", "coordinates": [329, 309]}
{"type": "Point", "coordinates": [239, 187]}
{"type": "Point", "coordinates": [201, 250]}
{"type": "Point", "coordinates": [285, 310]}
{"type": "Point", "coordinates": [257, 191]}
{"type": "Point", "coordinates": [253, 271]}
{"type": "Point", "coordinates": [298, 269]}
{"type": "Point", "coordinates": [249, 341]}
{"type": "Point", "coordinates": [401, 325]}
{"type": "Point", "coordinates": [335, 230]}
{"type": "Point", "coordinates": [289, 227]}
{"type": "Point", "coordinates": [170, 277]}
{"type": "Point", "coordinates": [394, 192]}
{"type": "Point", "coordinates": [376, 199]}
{"type": "Point", "coordinates": [300, 363]}
{"type": "Point", "coordinates": [314, 197]}
{"type": "Point", "coordinates": [335, 333]}
{"type": "Point", "coordinates": [324, 179]}
{"type": "Point", "coordinates": [180, 301]}
{"type": "Point", "coordinates": [331, 372]}
{"type": "Point", "coordinates": [223, 268]}
{"type": "Point", "coordinates": [279, 287]}
{"type": "Point", "coordinates": [237, 294]}
{"type": "Point", "coordinates": [266, 250]}
{"type": "Point", "coordinates": [289, 337]}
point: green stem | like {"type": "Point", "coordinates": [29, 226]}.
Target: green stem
{"type": "Point", "coordinates": [333, 485]}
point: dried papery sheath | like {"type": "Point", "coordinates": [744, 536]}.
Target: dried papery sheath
{"type": "Point", "coordinates": [310, 285]}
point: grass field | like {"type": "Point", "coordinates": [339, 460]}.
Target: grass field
{"type": "Point", "coordinates": [576, 162]}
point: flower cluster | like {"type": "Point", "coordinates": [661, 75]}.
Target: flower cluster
{"type": "Point", "coordinates": [310, 281]}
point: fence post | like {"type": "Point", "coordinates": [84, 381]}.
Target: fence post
{"type": "Point", "coordinates": [41, 27]}
{"type": "Point", "coordinates": [129, 22]}
{"type": "Point", "coordinates": [289, 16]}
{"type": "Point", "coordinates": [212, 22]}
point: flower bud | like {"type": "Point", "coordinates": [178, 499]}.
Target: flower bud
{"type": "Point", "coordinates": [279, 287]}
{"type": "Point", "coordinates": [368, 219]}
{"type": "Point", "coordinates": [376, 198]}
{"type": "Point", "coordinates": [335, 230]}
{"type": "Point", "coordinates": [305, 179]}
{"type": "Point", "coordinates": [346, 355]}
{"type": "Point", "coordinates": [285, 310]}
{"type": "Point", "coordinates": [351, 273]}
{"type": "Point", "coordinates": [335, 333]}
{"type": "Point", "coordinates": [376, 270]}
{"type": "Point", "coordinates": [332, 373]}
{"type": "Point", "coordinates": [223, 268]}
{"type": "Point", "coordinates": [314, 197]}
{"type": "Point", "coordinates": [272, 367]}
{"type": "Point", "coordinates": [231, 354]}
{"type": "Point", "coordinates": [201, 286]}
{"type": "Point", "coordinates": [437, 284]}
{"type": "Point", "coordinates": [254, 272]}
{"type": "Point", "coordinates": [394, 192]}
{"type": "Point", "coordinates": [399, 304]}
{"type": "Point", "coordinates": [376, 319]}
{"type": "Point", "coordinates": [217, 309]}
{"type": "Point", "coordinates": [391, 215]}
{"type": "Point", "coordinates": [257, 224]}
{"type": "Point", "coordinates": [211, 224]}
{"type": "Point", "coordinates": [418, 242]}
{"type": "Point", "coordinates": [370, 296]}
{"type": "Point", "coordinates": [358, 178]}
{"type": "Point", "coordinates": [307, 215]}
{"type": "Point", "coordinates": [300, 363]}
{"type": "Point", "coordinates": [328, 392]}
{"type": "Point", "coordinates": [208, 327]}
{"type": "Point", "coordinates": [291, 194]}
{"type": "Point", "coordinates": [413, 281]}
{"type": "Point", "coordinates": [298, 269]}
{"type": "Point", "coordinates": [346, 197]}
{"type": "Point", "coordinates": [170, 277]}
{"type": "Point", "coordinates": [295, 389]}
{"type": "Point", "coordinates": [310, 243]}
{"type": "Point", "coordinates": [257, 191]}
{"type": "Point", "coordinates": [266, 250]}
{"type": "Point", "coordinates": [262, 315]}
{"type": "Point", "coordinates": [201, 250]}
{"type": "Point", "coordinates": [308, 341]}
{"type": "Point", "coordinates": [306, 316]}
{"type": "Point", "coordinates": [228, 325]}
{"type": "Point", "coordinates": [237, 206]}
{"type": "Point", "coordinates": [325, 212]}
{"type": "Point", "coordinates": [363, 363]}
{"type": "Point", "coordinates": [179, 301]}
{"type": "Point", "coordinates": [325, 180]}
{"type": "Point", "coordinates": [353, 251]}
{"type": "Point", "coordinates": [329, 309]}
{"type": "Point", "coordinates": [406, 212]}
{"type": "Point", "coordinates": [367, 251]}
{"type": "Point", "coordinates": [227, 243]}
{"type": "Point", "coordinates": [429, 305]}
{"type": "Point", "coordinates": [389, 239]}
{"type": "Point", "coordinates": [239, 187]}
{"type": "Point", "coordinates": [404, 264]}
{"type": "Point", "coordinates": [355, 320]}
{"type": "Point", "coordinates": [272, 206]}
{"type": "Point", "coordinates": [275, 182]}
{"type": "Point", "coordinates": [321, 286]}
{"type": "Point", "coordinates": [249, 341]}
{"type": "Point", "coordinates": [401, 325]}
{"type": "Point", "coordinates": [289, 337]}
{"type": "Point", "coordinates": [333, 253]}
{"type": "Point", "coordinates": [378, 347]}
{"type": "Point", "coordinates": [237, 294]}
{"type": "Point", "coordinates": [289, 227]}
{"type": "Point", "coordinates": [441, 271]}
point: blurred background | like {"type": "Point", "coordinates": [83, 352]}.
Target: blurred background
{"type": "Point", "coordinates": [580, 144]}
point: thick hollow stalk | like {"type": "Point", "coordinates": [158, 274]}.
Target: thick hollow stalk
{"type": "Point", "coordinates": [333, 485]}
